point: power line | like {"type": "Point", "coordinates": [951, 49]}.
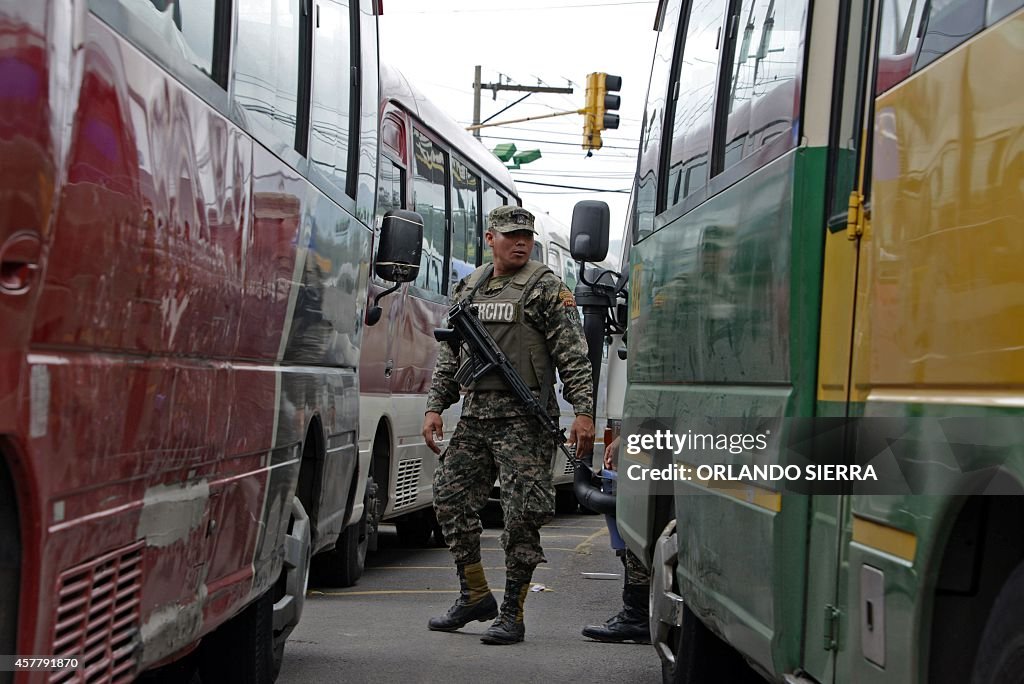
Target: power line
{"type": "Point", "coordinates": [520, 9]}
{"type": "Point", "coordinates": [567, 187]}
{"type": "Point", "coordinates": [635, 141]}
{"type": "Point", "coordinates": [551, 142]}
{"type": "Point", "coordinates": [576, 173]}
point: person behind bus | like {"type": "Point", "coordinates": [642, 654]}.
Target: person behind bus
{"type": "Point", "coordinates": [535, 322]}
{"type": "Point", "coordinates": [632, 622]}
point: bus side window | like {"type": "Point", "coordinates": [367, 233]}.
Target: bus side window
{"type": "Point", "coordinates": [570, 273]}
{"type": "Point", "coordinates": [390, 187]}
{"type": "Point", "coordinates": [465, 227]}
{"type": "Point", "coordinates": [948, 24]}
{"type": "Point", "coordinates": [189, 38]}
{"type": "Point", "coordinates": [195, 20]}
{"type": "Point", "coordinates": [428, 188]}
{"type": "Point", "coordinates": [997, 9]}
{"type": "Point", "coordinates": [492, 200]}
{"type": "Point", "coordinates": [267, 68]}
{"type": "Point", "coordinates": [555, 259]}
{"type": "Point", "coordinates": [330, 108]}
{"type": "Point", "coordinates": [658, 107]}
{"type": "Point", "coordinates": [690, 158]}
{"type": "Point", "coordinates": [765, 71]}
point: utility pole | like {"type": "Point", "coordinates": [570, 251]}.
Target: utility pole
{"type": "Point", "coordinates": [476, 100]}
{"type": "Point", "coordinates": [495, 87]}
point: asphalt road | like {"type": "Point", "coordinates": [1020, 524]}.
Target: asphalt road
{"type": "Point", "coordinates": [377, 630]}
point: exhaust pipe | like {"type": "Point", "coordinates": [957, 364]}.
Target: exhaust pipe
{"type": "Point", "coordinates": [590, 495]}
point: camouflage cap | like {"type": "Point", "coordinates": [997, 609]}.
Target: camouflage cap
{"type": "Point", "coordinates": [510, 218]}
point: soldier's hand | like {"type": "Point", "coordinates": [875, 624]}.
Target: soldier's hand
{"type": "Point", "coordinates": [582, 435]}
{"type": "Point", "coordinates": [433, 425]}
{"type": "Point", "coordinates": [610, 454]}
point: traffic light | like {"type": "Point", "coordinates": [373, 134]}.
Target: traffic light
{"type": "Point", "coordinates": [599, 103]}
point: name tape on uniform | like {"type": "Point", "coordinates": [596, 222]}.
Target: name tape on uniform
{"type": "Point", "coordinates": [497, 312]}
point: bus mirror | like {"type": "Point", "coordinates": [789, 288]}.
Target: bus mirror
{"type": "Point", "coordinates": [398, 254]}
{"type": "Point", "coordinates": [588, 239]}
{"type": "Point", "coordinates": [399, 247]}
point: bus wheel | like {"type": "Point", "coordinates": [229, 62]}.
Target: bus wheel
{"type": "Point", "coordinates": [1000, 656]}
{"type": "Point", "coordinates": [241, 651]}
{"type": "Point", "coordinates": [565, 501]}
{"type": "Point", "coordinates": [349, 556]}
{"type": "Point", "coordinates": [415, 529]}
{"type": "Point", "coordinates": [703, 658]}
{"type": "Point", "coordinates": [10, 565]}
{"type": "Point", "coordinates": [294, 580]}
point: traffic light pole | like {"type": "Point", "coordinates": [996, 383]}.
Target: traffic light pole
{"type": "Point", "coordinates": [495, 87]}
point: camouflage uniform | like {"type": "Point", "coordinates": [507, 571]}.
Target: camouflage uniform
{"type": "Point", "coordinates": [494, 438]}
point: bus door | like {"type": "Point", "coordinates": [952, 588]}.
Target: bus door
{"type": "Point", "coordinates": [845, 199]}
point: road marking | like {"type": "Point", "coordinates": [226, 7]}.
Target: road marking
{"type": "Point", "coordinates": [546, 547]}
{"type": "Point", "coordinates": [436, 567]}
{"type": "Point", "coordinates": [384, 592]}
{"type": "Point", "coordinates": [584, 546]}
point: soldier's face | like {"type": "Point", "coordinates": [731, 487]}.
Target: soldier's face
{"type": "Point", "coordinates": [511, 250]}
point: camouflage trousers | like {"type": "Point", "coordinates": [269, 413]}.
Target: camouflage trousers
{"type": "Point", "coordinates": [636, 573]}
{"type": "Point", "coordinates": [516, 451]}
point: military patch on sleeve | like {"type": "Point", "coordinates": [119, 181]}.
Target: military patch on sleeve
{"type": "Point", "coordinates": [566, 297]}
{"type": "Point", "coordinates": [573, 314]}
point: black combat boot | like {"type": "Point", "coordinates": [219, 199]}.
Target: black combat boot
{"type": "Point", "coordinates": [631, 624]}
{"type": "Point", "coordinates": [509, 627]}
{"type": "Point", "coordinates": [475, 601]}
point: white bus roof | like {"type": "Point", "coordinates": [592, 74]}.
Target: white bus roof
{"type": "Point", "coordinates": [396, 88]}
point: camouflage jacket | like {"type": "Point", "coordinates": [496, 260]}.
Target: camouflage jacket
{"type": "Point", "coordinates": [549, 307]}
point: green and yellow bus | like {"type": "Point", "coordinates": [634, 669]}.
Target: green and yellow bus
{"type": "Point", "coordinates": [828, 223]}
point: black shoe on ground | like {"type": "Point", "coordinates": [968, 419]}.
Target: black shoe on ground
{"type": "Point", "coordinates": [505, 630]}
{"type": "Point", "coordinates": [461, 614]}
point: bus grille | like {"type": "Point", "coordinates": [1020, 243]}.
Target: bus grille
{"type": "Point", "coordinates": [569, 470]}
{"type": "Point", "coordinates": [98, 617]}
{"type": "Point", "coordinates": [408, 482]}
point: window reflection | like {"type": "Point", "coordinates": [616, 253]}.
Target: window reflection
{"type": "Point", "coordinates": [428, 189]}
{"type": "Point", "coordinates": [763, 88]}
{"type": "Point", "coordinates": [194, 19]}
{"type": "Point", "coordinates": [689, 162]}
{"type": "Point", "coordinates": [330, 115]}
{"type": "Point", "coordinates": [267, 65]}
{"type": "Point", "coordinates": [654, 118]}
{"type": "Point", "coordinates": [465, 214]}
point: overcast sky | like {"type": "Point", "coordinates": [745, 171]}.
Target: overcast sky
{"type": "Point", "coordinates": [437, 43]}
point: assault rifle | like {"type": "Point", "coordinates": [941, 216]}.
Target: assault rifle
{"type": "Point", "coordinates": [485, 356]}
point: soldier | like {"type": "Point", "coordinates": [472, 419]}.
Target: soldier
{"type": "Point", "coordinates": [632, 622]}
{"type": "Point", "coordinates": [532, 316]}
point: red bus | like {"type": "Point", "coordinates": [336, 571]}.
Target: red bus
{"type": "Point", "coordinates": [187, 197]}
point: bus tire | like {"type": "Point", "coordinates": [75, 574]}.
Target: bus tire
{"type": "Point", "coordinates": [1000, 656]}
{"type": "Point", "coordinates": [565, 501]}
{"type": "Point", "coordinates": [348, 558]}
{"type": "Point", "coordinates": [241, 651]}
{"type": "Point", "coordinates": [703, 658]}
{"type": "Point", "coordinates": [10, 565]}
{"type": "Point", "coordinates": [291, 587]}
{"type": "Point", "coordinates": [415, 529]}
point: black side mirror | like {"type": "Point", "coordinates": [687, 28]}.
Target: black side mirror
{"type": "Point", "coordinates": [399, 247]}
{"type": "Point", "coordinates": [588, 237]}
{"type": "Point", "coordinates": [398, 254]}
